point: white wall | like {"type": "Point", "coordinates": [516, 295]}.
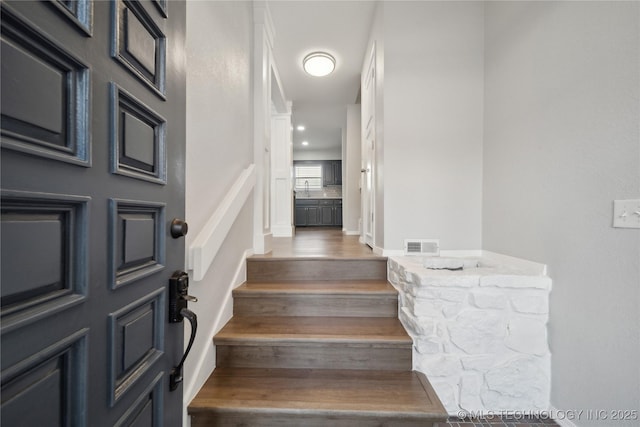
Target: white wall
{"type": "Point", "coordinates": [351, 171]}
{"type": "Point", "coordinates": [334, 153]}
{"type": "Point", "coordinates": [561, 142]}
{"type": "Point", "coordinates": [433, 101]}
{"type": "Point", "coordinates": [219, 147]}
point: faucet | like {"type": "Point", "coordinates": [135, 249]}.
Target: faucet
{"type": "Point", "coordinates": [306, 187]}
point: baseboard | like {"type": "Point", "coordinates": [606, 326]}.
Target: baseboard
{"type": "Point", "coordinates": [282, 230]}
{"type": "Point", "coordinates": [202, 368]}
{"type": "Point", "coordinates": [350, 232]}
{"type": "Point", "coordinates": [377, 250]}
{"type": "Point", "coordinates": [262, 243]}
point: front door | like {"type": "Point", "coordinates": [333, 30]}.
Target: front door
{"type": "Point", "coordinates": [93, 128]}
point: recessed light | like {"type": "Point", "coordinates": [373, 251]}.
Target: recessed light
{"type": "Point", "coordinates": [319, 64]}
{"type": "Point", "coordinates": [300, 128]}
{"type": "Point", "coordinates": [305, 142]}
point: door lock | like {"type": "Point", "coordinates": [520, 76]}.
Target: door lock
{"type": "Point", "coordinates": [178, 295]}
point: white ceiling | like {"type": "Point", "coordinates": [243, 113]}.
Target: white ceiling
{"type": "Point", "coordinates": [340, 28]}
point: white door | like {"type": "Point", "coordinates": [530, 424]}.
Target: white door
{"type": "Point", "coordinates": [368, 150]}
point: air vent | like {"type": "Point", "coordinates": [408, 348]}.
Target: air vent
{"type": "Point", "coordinates": [422, 247]}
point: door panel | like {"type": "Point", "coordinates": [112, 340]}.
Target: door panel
{"type": "Point", "coordinates": [138, 138]}
{"type": "Point", "coordinates": [368, 150]}
{"type": "Point", "coordinates": [140, 44]}
{"type": "Point", "coordinates": [313, 215]}
{"type": "Point", "coordinates": [301, 216]}
{"type": "Point", "coordinates": [326, 215]}
{"type": "Point", "coordinates": [45, 94]}
{"type": "Point", "coordinates": [92, 159]}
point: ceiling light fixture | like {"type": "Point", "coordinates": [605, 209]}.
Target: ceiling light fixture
{"type": "Point", "coordinates": [300, 128]}
{"type": "Point", "coordinates": [305, 142]}
{"type": "Point", "coordinates": [319, 64]}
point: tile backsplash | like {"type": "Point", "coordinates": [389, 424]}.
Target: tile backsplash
{"type": "Point", "coordinates": [332, 191]}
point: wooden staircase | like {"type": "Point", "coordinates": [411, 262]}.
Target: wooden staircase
{"type": "Point", "coordinates": [315, 342]}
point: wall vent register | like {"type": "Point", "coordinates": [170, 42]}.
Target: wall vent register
{"type": "Point", "coordinates": [428, 247]}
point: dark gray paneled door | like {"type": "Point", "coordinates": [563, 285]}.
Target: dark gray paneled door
{"type": "Point", "coordinates": [93, 127]}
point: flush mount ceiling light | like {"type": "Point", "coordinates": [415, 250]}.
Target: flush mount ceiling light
{"type": "Point", "coordinates": [305, 142]}
{"type": "Point", "coordinates": [319, 64]}
{"type": "Point", "coordinates": [300, 128]}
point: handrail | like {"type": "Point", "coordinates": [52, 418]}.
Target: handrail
{"type": "Point", "coordinates": [204, 248]}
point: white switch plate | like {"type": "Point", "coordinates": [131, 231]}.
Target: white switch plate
{"type": "Point", "coordinates": [626, 213]}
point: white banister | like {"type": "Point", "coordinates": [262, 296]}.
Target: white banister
{"type": "Point", "coordinates": [206, 245]}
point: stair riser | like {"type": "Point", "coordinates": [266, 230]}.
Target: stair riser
{"type": "Point", "coordinates": [294, 420]}
{"type": "Point", "coordinates": [273, 270]}
{"type": "Point", "coordinates": [314, 357]}
{"type": "Point", "coordinates": [315, 305]}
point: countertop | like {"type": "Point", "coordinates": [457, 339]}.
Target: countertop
{"type": "Point", "coordinates": [320, 195]}
{"type": "Point", "coordinates": [318, 198]}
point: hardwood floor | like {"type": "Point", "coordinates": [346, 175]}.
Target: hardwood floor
{"type": "Point", "coordinates": [323, 397]}
{"type": "Point", "coordinates": [356, 298]}
{"type": "Point", "coordinates": [319, 242]}
{"type": "Point", "coordinates": [315, 268]}
{"type": "Point", "coordinates": [315, 341]}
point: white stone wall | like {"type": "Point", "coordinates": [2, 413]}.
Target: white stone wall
{"type": "Point", "coordinates": [479, 334]}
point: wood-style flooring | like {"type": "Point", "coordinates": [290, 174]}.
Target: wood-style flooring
{"type": "Point", "coordinates": [319, 242]}
{"type": "Point", "coordinates": [315, 340]}
{"type": "Point", "coordinates": [320, 397]}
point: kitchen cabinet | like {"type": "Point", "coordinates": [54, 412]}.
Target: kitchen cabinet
{"type": "Point", "coordinates": [313, 216]}
{"type": "Point", "coordinates": [331, 172]}
{"type": "Point", "coordinates": [318, 212]}
{"type": "Point", "coordinates": [327, 212]}
{"type": "Point", "coordinates": [300, 218]}
{"type": "Point", "coordinates": [307, 213]}
{"type": "Point", "coordinates": [337, 172]}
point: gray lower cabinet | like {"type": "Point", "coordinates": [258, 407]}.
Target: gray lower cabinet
{"type": "Point", "coordinates": [313, 216]}
{"type": "Point", "coordinates": [327, 212]}
{"type": "Point", "coordinates": [301, 216]}
{"type": "Point", "coordinates": [318, 212]}
{"type": "Point", "coordinates": [307, 213]}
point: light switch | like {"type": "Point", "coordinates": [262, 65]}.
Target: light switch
{"type": "Point", "coordinates": [626, 213]}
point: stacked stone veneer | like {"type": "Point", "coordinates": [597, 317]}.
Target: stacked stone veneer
{"type": "Point", "coordinates": [480, 334]}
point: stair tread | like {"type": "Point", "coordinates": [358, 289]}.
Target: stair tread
{"type": "Point", "coordinates": [355, 330]}
{"type": "Point", "coordinates": [312, 255]}
{"type": "Point", "coordinates": [315, 268]}
{"type": "Point", "coordinates": [318, 391]}
{"type": "Point", "coordinates": [374, 288]}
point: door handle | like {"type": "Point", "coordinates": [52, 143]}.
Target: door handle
{"type": "Point", "coordinates": [178, 299]}
{"type": "Point", "coordinates": [175, 378]}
